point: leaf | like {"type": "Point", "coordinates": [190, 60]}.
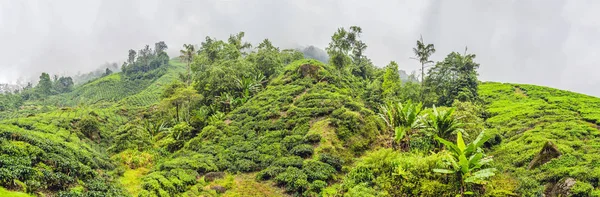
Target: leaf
{"type": "Point", "coordinates": [481, 175]}
{"type": "Point", "coordinates": [460, 142]}
{"type": "Point", "coordinates": [464, 163]}
{"type": "Point", "coordinates": [444, 171]}
{"type": "Point", "coordinates": [449, 145]}
{"type": "Point", "coordinates": [400, 132]}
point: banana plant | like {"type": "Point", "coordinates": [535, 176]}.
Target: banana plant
{"type": "Point", "coordinates": [402, 119]}
{"type": "Point", "coordinates": [443, 124]}
{"type": "Point", "coordinates": [466, 161]}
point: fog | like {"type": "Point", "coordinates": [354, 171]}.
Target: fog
{"type": "Point", "coordinates": [546, 42]}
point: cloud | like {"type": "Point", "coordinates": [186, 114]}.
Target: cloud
{"type": "Point", "coordinates": [551, 43]}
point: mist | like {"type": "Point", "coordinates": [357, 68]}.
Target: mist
{"type": "Point", "coordinates": [550, 42]}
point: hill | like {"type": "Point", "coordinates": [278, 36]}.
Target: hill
{"type": "Point", "coordinates": [271, 122]}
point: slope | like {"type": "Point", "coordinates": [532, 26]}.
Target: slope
{"type": "Point", "coordinates": [525, 118]}
{"type": "Point", "coordinates": [52, 150]}
{"type": "Point", "coordinates": [298, 133]}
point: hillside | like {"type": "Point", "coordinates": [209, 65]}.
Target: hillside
{"type": "Point", "coordinates": [223, 120]}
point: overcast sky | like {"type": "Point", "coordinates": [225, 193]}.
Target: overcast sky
{"type": "Point", "coordinates": [546, 42]}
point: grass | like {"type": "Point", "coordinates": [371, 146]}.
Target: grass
{"type": "Point", "coordinates": [6, 193]}
{"type": "Point", "coordinates": [246, 185]}
{"type": "Point", "coordinates": [132, 180]}
{"type": "Point", "coordinates": [528, 116]}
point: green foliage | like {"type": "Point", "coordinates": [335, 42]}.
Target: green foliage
{"type": "Point", "coordinates": [148, 64]}
{"type": "Point", "coordinates": [293, 179]}
{"type": "Point", "coordinates": [89, 127]}
{"type": "Point", "coordinates": [391, 85]}
{"type": "Point", "coordinates": [316, 170]}
{"type": "Point", "coordinates": [402, 120]}
{"type": "Point", "coordinates": [467, 161]}
{"type": "Point", "coordinates": [443, 124]}
{"type": "Point", "coordinates": [455, 78]}
{"type": "Point", "coordinates": [390, 173]}
{"type": "Point", "coordinates": [40, 154]}
{"type": "Point", "coordinates": [581, 189]}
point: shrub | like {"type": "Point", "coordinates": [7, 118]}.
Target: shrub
{"type": "Point", "coordinates": [293, 179]}
{"type": "Point", "coordinates": [316, 170]}
{"type": "Point", "coordinates": [293, 161]}
{"type": "Point", "coordinates": [312, 138]}
{"type": "Point", "coordinates": [581, 189]}
{"type": "Point", "coordinates": [303, 150]}
{"type": "Point", "coordinates": [334, 161]}
{"type": "Point", "coordinates": [270, 172]}
{"type": "Point", "coordinates": [317, 186]}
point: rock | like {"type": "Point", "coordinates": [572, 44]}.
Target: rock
{"type": "Point", "coordinates": [562, 188]}
{"type": "Point", "coordinates": [211, 176]}
{"type": "Point", "coordinates": [219, 189]}
{"type": "Point", "coordinates": [548, 152]}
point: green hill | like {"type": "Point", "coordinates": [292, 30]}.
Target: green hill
{"type": "Point", "coordinates": [268, 122]}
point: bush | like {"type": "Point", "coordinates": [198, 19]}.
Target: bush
{"type": "Point", "coordinates": [89, 127]}
{"type": "Point", "coordinates": [312, 138]}
{"type": "Point", "coordinates": [293, 179]}
{"type": "Point", "coordinates": [317, 186]}
{"type": "Point", "coordinates": [316, 170]}
{"type": "Point", "coordinates": [581, 189]}
{"type": "Point", "coordinates": [303, 150]}
{"type": "Point", "coordinates": [334, 161]}
{"type": "Point", "coordinates": [292, 161]}
{"type": "Point", "coordinates": [270, 172]}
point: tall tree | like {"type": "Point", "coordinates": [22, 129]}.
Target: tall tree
{"type": "Point", "coordinates": [236, 41]}
{"type": "Point", "coordinates": [267, 59]}
{"type": "Point", "coordinates": [391, 82]}
{"type": "Point", "coordinates": [454, 78]}
{"type": "Point", "coordinates": [422, 53]}
{"type": "Point", "coordinates": [187, 55]}
{"type": "Point", "coordinates": [346, 47]}
{"type": "Point", "coordinates": [160, 47]}
{"type": "Point", "coordinates": [44, 87]}
{"type": "Point", "coordinates": [64, 84]}
{"type": "Point", "coordinates": [131, 56]}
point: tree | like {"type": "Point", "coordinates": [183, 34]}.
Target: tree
{"type": "Point", "coordinates": [107, 72]}
{"type": "Point", "coordinates": [181, 99]}
{"type": "Point", "coordinates": [454, 78]}
{"type": "Point", "coordinates": [44, 86]}
{"type": "Point", "coordinates": [442, 124]}
{"type": "Point", "coordinates": [391, 82]}
{"type": "Point", "coordinates": [236, 41]}
{"type": "Point", "coordinates": [160, 47]}
{"type": "Point", "coordinates": [64, 84]}
{"type": "Point", "coordinates": [403, 120]}
{"type": "Point", "coordinates": [422, 53]}
{"type": "Point", "coordinates": [467, 161]}
{"type": "Point", "coordinates": [267, 59]}
{"type": "Point", "coordinates": [131, 56]}
{"type": "Point", "coordinates": [342, 43]}
{"type": "Point", "coordinates": [187, 55]}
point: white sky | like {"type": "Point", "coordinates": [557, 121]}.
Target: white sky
{"type": "Point", "coordinates": [546, 42]}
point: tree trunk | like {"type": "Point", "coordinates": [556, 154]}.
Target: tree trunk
{"type": "Point", "coordinates": [422, 82]}
{"type": "Point", "coordinates": [188, 74]}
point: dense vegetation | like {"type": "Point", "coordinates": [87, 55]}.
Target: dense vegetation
{"type": "Point", "coordinates": [227, 118]}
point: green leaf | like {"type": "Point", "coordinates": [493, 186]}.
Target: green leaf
{"type": "Point", "coordinates": [464, 163]}
{"type": "Point", "coordinates": [449, 145]}
{"type": "Point", "coordinates": [460, 142]}
{"type": "Point", "coordinates": [444, 171]}
{"type": "Point", "coordinates": [400, 132]}
{"type": "Point", "coordinates": [481, 175]}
